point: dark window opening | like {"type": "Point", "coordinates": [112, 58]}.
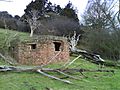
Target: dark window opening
{"type": "Point", "coordinates": [33, 46]}
{"type": "Point", "coordinates": [57, 46]}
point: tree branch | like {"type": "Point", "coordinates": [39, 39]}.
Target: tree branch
{"type": "Point", "coordinates": [53, 77]}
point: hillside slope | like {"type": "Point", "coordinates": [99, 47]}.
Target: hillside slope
{"type": "Point", "coordinates": [36, 81]}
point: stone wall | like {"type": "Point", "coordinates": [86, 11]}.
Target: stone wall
{"type": "Point", "coordinates": [39, 52]}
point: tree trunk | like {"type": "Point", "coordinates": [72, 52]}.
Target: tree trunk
{"type": "Point", "coordinates": [5, 25]}
{"type": "Point", "coordinates": [31, 33]}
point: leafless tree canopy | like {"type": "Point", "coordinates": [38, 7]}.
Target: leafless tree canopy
{"type": "Point", "coordinates": [102, 28]}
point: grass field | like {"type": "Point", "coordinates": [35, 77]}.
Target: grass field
{"type": "Point", "coordinates": [36, 81]}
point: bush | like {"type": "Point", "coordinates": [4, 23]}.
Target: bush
{"type": "Point", "coordinates": [104, 43]}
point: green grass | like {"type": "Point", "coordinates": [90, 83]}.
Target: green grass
{"type": "Point", "coordinates": [7, 35]}
{"type": "Point", "coordinates": [36, 81]}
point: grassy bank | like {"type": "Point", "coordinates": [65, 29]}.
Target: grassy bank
{"type": "Point", "coordinates": [36, 81]}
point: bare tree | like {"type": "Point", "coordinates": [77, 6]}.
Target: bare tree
{"type": "Point", "coordinates": [33, 12]}
{"type": "Point", "coordinates": [102, 28]}
{"type": "Point", "coordinates": [32, 20]}
{"type": "Point", "coordinates": [73, 41]}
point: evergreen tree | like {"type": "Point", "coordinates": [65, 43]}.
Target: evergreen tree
{"type": "Point", "coordinates": [49, 7]}
{"type": "Point", "coordinates": [38, 5]}
{"type": "Point", "coordinates": [70, 12]}
{"type": "Point", "coordinates": [57, 9]}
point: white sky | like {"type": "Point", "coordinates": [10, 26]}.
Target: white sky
{"type": "Point", "coordinates": [17, 6]}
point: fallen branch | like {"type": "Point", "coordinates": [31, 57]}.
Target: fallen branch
{"type": "Point", "coordinates": [73, 41]}
{"type": "Point", "coordinates": [6, 59]}
{"type": "Point", "coordinates": [69, 63]}
{"type": "Point", "coordinates": [86, 70]}
{"type": "Point", "coordinates": [43, 70]}
{"type": "Point", "coordinates": [52, 59]}
{"type": "Point", "coordinates": [61, 72]}
{"type": "Point", "coordinates": [53, 77]}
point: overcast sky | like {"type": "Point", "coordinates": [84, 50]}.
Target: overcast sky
{"type": "Point", "coordinates": [16, 7]}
